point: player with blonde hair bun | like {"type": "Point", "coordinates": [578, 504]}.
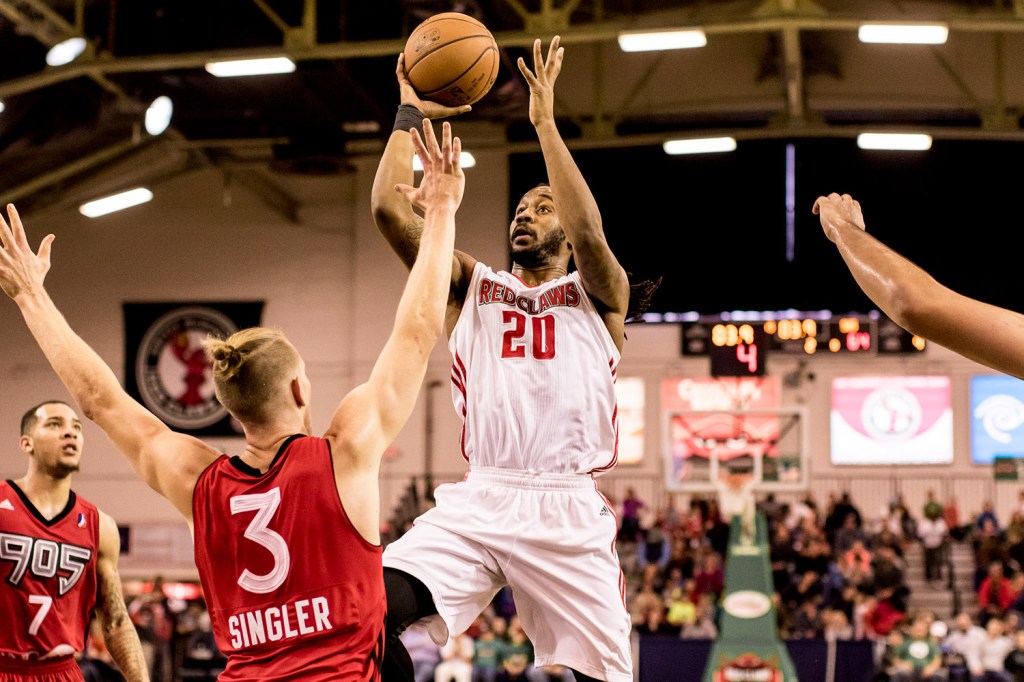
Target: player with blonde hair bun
{"type": "Point", "coordinates": [286, 533]}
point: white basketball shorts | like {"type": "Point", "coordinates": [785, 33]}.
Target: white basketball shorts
{"type": "Point", "coordinates": [551, 538]}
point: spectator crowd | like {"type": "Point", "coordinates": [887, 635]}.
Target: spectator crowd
{"type": "Point", "coordinates": [837, 575]}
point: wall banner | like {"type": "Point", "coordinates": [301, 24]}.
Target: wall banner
{"type": "Point", "coordinates": [166, 368]}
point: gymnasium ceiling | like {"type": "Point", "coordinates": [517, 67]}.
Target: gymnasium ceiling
{"type": "Point", "coordinates": [771, 68]}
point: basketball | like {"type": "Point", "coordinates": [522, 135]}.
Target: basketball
{"type": "Point", "coordinates": [452, 59]}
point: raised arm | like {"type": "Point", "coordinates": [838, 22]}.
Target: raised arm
{"type": "Point", "coordinates": [168, 462]}
{"type": "Point", "coordinates": [603, 277]}
{"type": "Point", "coordinates": [119, 632]}
{"type": "Point", "coordinates": [980, 331]}
{"type": "Point", "coordinates": [370, 417]}
{"type": "Point", "coordinates": [393, 211]}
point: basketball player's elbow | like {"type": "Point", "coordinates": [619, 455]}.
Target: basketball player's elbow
{"type": "Point", "coordinates": [382, 213]}
{"type": "Point", "coordinates": [429, 325]}
{"type": "Point", "coordinates": [916, 309]}
{"type": "Point", "coordinates": [421, 331]}
{"type": "Point", "coordinates": [389, 212]}
{"type": "Point", "coordinates": [116, 622]}
{"type": "Point", "coordinates": [94, 401]}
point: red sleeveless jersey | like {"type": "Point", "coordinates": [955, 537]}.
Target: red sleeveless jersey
{"type": "Point", "coordinates": [294, 591]}
{"type": "Point", "coordinates": [47, 575]}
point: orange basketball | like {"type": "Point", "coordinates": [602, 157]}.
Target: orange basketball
{"type": "Point", "coordinates": [451, 58]}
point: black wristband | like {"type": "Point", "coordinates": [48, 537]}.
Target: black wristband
{"type": "Point", "coordinates": [407, 118]}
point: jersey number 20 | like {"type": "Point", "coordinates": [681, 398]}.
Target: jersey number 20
{"type": "Point", "coordinates": [543, 336]}
{"type": "Point", "coordinates": [265, 505]}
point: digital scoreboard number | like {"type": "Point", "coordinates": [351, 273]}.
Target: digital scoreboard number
{"type": "Point", "coordinates": [738, 350]}
{"type": "Point", "coordinates": [849, 335]}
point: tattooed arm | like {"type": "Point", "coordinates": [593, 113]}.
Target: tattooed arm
{"type": "Point", "coordinates": [118, 630]}
{"type": "Point", "coordinates": [393, 213]}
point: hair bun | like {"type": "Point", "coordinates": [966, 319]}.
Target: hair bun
{"type": "Point", "coordinates": [227, 359]}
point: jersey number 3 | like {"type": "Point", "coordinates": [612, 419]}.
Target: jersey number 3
{"type": "Point", "coordinates": [265, 505]}
{"type": "Point", "coordinates": [543, 336]}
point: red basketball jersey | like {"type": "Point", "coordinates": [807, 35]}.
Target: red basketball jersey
{"type": "Point", "coordinates": [294, 591]}
{"type": "Point", "coordinates": [47, 575]}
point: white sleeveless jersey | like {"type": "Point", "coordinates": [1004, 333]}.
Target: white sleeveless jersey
{"type": "Point", "coordinates": [533, 376]}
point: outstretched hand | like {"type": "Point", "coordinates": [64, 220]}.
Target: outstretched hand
{"type": "Point", "coordinates": [21, 269]}
{"type": "Point", "coordinates": [542, 80]}
{"type": "Point", "coordinates": [443, 180]}
{"type": "Point", "coordinates": [834, 210]}
{"type": "Point", "coordinates": [427, 107]}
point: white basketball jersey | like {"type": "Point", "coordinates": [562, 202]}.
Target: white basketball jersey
{"type": "Point", "coordinates": [533, 376]}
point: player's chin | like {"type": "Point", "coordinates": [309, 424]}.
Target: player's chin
{"type": "Point", "coordinates": [64, 468]}
{"type": "Point", "coordinates": [70, 458]}
{"type": "Point", "coordinates": [526, 256]}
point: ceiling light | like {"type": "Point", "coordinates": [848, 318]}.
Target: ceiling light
{"type": "Point", "coordinates": [115, 202]}
{"type": "Point", "coordinates": [361, 126]}
{"type": "Point", "coordinates": [700, 146]}
{"type": "Point", "coordinates": [914, 34]}
{"type": "Point", "coordinates": [466, 160]}
{"type": "Point", "coordinates": [643, 41]}
{"type": "Point", "coordinates": [895, 141]}
{"type": "Point", "coordinates": [1, 107]}
{"type": "Point", "coordinates": [65, 51]}
{"type": "Point", "coordinates": [158, 115]}
{"type": "Point", "coordinates": [251, 67]}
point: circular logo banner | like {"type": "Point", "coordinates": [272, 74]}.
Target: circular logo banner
{"type": "Point", "coordinates": [173, 373]}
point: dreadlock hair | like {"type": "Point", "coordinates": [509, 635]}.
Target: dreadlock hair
{"type": "Point", "coordinates": [639, 292]}
{"type": "Point", "coordinates": [640, 297]}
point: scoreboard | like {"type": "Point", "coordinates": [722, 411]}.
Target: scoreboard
{"type": "Point", "coordinates": [737, 350]}
{"type": "Point", "coordinates": [741, 348]}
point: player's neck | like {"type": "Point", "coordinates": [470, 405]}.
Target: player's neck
{"type": "Point", "coordinates": [540, 274]}
{"type": "Point", "coordinates": [262, 445]}
{"type": "Point", "coordinates": [47, 494]}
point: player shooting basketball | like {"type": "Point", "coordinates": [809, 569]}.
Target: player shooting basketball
{"type": "Point", "coordinates": [529, 514]}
